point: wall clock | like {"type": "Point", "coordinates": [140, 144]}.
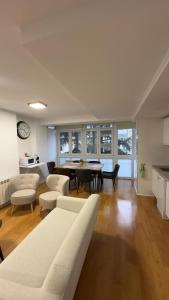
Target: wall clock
{"type": "Point", "coordinates": [23, 130]}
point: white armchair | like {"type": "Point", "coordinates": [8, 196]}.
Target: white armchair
{"type": "Point", "coordinates": [23, 189]}
{"type": "Point", "coordinates": [58, 185]}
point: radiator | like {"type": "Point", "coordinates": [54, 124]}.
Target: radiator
{"type": "Point", "coordinates": [5, 192]}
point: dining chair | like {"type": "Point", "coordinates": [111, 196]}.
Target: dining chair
{"type": "Point", "coordinates": [97, 174]}
{"type": "Point", "coordinates": [94, 162]}
{"type": "Point", "coordinates": [112, 175]}
{"type": "Point", "coordinates": [76, 161]}
{"type": "Point", "coordinates": [85, 176]}
{"type": "Point", "coordinates": [67, 172]}
{"type": "Point", "coordinates": [51, 167]}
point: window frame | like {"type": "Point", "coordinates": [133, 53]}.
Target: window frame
{"type": "Point", "coordinates": [69, 131]}
{"type": "Point", "coordinates": [114, 145]}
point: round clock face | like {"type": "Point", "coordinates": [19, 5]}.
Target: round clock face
{"type": "Point", "coordinates": [23, 130]}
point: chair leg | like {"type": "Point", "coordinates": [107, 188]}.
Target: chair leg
{"type": "Point", "coordinates": [90, 187]}
{"type": "Point", "coordinates": [31, 207]}
{"type": "Point", "coordinates": [1, 254]}
{"type": "Point", "coordinates": [78, 184]}
{"type": "Point", "coordinates": [114, 184]}
{"type": "Point", "coordinates": [12, 209]}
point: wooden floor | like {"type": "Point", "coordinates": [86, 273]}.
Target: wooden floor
{"type": "Point", "coordinates": [128, 258]}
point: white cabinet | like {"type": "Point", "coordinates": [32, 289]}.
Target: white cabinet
{"type": "Point", "coordinates": [166, 131]}
{"type": "Point", "coordinates": [159, 191]}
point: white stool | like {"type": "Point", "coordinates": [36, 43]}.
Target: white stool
{"type": "Point", "coordinates": [48, 200]}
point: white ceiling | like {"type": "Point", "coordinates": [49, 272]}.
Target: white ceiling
{"type": "Point", "coordinates": [88, 60]}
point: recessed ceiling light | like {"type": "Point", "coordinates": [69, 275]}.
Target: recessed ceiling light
{"type": "Point", "coordinates": [37, 105]}
{"type": "Point", "coordinates": [51, 127]}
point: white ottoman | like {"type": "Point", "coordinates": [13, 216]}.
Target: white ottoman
{"type": "Point", "coordinates": [48, 200]}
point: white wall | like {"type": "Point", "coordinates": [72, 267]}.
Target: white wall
{"type": "Point", "coordinates": [42, 142]}
{"type": "Point", "coordinates": [150, 150]}
{"type": "Point", "coordinates": [8, 145]}
{"type": "Point", "coordinates": [38, 140]}
{"type": "Point", "coordinates": [52, 145]}
{"type": "Point", "coordinates": [28, 145]}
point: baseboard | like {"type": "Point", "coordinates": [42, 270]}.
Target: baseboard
{"type": "Point", "coordinates": [145, 195]}
{"type": "Point", "coordinates": [5, 204]}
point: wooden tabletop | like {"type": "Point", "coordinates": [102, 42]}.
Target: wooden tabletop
{"type": "Point", "coordinates": [85, 165]}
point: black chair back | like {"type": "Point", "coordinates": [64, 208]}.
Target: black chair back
{"type": "Point", "coordinates": [51, 166]}
{"type": "Point", "coordinates": [63, 171]}
{"type": "Point", "coordinates": [84, 175]}
{"type": "Point", "coordinates": [116, 170]}
{"type": "Point", "coordinates": [94, 162]}
{"type": "Point", "coordinates": [76, 161]}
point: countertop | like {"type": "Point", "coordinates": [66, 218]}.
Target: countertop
{"type": "Point", "coordinates": [164, 174]}
{"type": "Point", "coordinates": [32, 166]}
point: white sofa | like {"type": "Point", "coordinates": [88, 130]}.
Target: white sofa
{"type": "Point", "coordinates": [47, 264]}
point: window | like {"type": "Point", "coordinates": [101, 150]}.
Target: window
{"type": "Point", "coordinates": [76, 142]}
{"type": "Point", "coordinates": [91, 141]}
{"type": "Point", "coordinates": [125, 167]}
{"type": "Point", "coordinates": [107, 164]}
{"type": "Point", "coordinates": [124, 141]}
{"type": "Point", "coordinates": [105, 141]}
{"type": "Point", "coordinates": [95, 141]}
{"type": "Point", "coordinates": [64, 160]}
{"type": "Point", "coordinates": [64, 142]}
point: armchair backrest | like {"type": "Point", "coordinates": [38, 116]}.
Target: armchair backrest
{"type": "Point", "coordinates": [59, 183]}
{"type": "Point", "coordinates": [24, 181]}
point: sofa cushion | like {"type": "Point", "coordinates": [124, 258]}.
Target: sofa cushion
{"type": "Point", "coordinates": [29, 263]}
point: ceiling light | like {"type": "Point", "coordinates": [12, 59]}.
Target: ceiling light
{"type": "Point", "coordinates": [37, 105]}
{"type": "Point", "coordinates": [51, 127]}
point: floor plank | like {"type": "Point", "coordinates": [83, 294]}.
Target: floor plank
{"type": "Point", "coordinates": [128, 257]}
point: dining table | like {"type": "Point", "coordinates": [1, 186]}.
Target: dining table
{"type": "Point", "coordinates": [84, 165]}
{"type": "Point", "coordinates": [95, 167]}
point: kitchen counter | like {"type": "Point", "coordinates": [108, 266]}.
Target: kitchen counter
{"type": "Point", "coordinates": [164, 174]}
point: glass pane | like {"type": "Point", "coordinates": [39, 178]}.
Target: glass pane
{"type": "Point", "coordinates": [125, 167]}
{"type": "Point", "coordinates": [106, 141]}
{"type": "Point", "coordinates": [64, 142]}
{"type": "Point", "coordinates": [64, 160]}
{"type": "Point", "coordinates": [106, 125]}
{"type": "Point", "coordinates": [106, 149]}
{"type": "Point", "coordinates": [107, 164]}
{"type": "Point", "coordinates": [103, 125]}
{"type": "Point", "coordinates": [76, 142]}
{"type": "Point", "coordinates": [92, 159]}
{"type": "Point", "coordinates": [124, 141]}
{"type": "Point", "coordinates": [91, 141]}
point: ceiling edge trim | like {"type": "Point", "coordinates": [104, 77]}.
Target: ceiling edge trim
{"type": "Point", "coordinates": [156, 77]}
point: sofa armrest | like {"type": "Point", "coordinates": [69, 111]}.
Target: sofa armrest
{"type": "Point", "coordinates": [10, 290]}
{"type": "Point", "coordinates": [70, 203]}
